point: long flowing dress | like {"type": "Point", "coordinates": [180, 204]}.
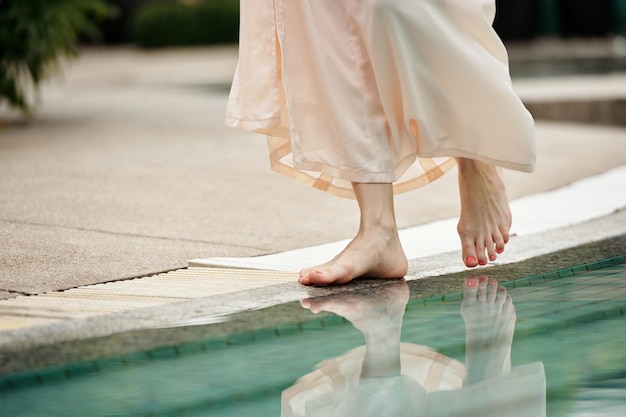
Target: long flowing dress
{"type": "Point", "coordinates": [377, 90]}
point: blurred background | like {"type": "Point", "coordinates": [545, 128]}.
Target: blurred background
{"type": "Point", "coordinates": [151, 23]}
{"type": "Point", "coordinates": [144, 21]}
{"type": "Point", "coordinates": [161, 23]}
{"type": "Point", "coordinates": [35, 33]}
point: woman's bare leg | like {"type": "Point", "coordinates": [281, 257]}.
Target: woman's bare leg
{"type": "Point", "coordinates": [485, 215]}
{"type": "Point", "coordinates": [375, 252]}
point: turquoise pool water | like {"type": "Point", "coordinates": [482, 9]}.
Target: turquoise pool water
{"type": "Point", "coordinates": [551, 344]}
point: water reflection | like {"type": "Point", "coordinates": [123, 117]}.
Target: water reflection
{"type": "Point", "coordinates": [387, 377]}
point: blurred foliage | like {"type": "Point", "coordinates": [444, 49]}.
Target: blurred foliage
{"type": "Point", "coordinates": [171, 23]}
{"type": "Point", "coordinates": [34, 37]}
{"type": "Point", "coordinates": [118, 30]}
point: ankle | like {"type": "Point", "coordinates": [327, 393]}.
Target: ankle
{"type": "Point", "coordinates": [387, 229]}
{"type": "Point", "coordinates": [473, 165]}
{"type": "Point", "coordinates": [472, 170]}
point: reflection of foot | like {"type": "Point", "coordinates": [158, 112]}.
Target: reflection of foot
{"type": "Point", "coordinates": [371, 313]}
{"type": "Point", "coordinates": [379, 317]}
{"type": "Point", "coordinates": [489, 318]}
{"type": "Point", "coordinates": [485, 215]}
{"type": "Point", "coordinates": [372, 254]}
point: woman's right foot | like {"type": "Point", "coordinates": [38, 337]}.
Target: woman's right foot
{"type": "Point", "coordinates": [485, 218]}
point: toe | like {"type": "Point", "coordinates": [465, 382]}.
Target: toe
{"type": "Point", "coordinates": [492, 291]}
{"type": "Point", "coordinates": [482, 289]}
{"type": "Point", "coordinates": [320, 277]}
{"type": "Point", "coordinates": [501, 296]}
{"type": "Point", "coordinates": [491, 250]}
{"type": "Point", "coordinates": [315, 276]}
{"type": "Point", "coordinates": [499, 244]}
{"type": "Point", "coordinates": [471, 261]}
{"type": "Point", "coordinates": [504, 232]}
{"type": "Point", "coordinates": [303, 276]}
{"type": "Point", "coordinates": [468, 250]}
{"type": "Point", "coordinates": [500, 239]}
{"type": "Point", "coordinates": [480, 252]}
{"type": "Point", "coordinates": [471, 283]}
{"type": "Point", "coordinates": [470, 290]}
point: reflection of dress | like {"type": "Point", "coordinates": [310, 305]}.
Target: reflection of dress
{"type": "Point", "coordinates": [430, 385]}
{"type": "Point", "coordinates": [354, 90]}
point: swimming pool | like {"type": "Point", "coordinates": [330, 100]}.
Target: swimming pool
{"type": "Point", "coordinates": [551, 343]}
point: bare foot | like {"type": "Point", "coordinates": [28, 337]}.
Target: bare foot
{"type": "Point", "coordinates": [485, 214]}
{"type": "Point", "coordinates": [372, 254]}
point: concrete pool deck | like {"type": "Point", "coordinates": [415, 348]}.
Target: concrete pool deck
{"type": "Point", "coordinates": [127, 171]}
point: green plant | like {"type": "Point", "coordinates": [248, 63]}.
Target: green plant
{"type": "Point", "coordinates": [34, 37]}
{"type": "Point", "coordinates": [169, 23]}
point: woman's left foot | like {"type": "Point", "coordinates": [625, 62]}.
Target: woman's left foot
{"type": "Point", "coordinates": [374, 254]}
{"type": "Point", "coordinates": [485, 218]}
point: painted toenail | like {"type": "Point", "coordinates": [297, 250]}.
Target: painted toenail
{"type": "Point", "coordinates": [471, 260]}
{"type": "Point", "coordinates": [492, 257]}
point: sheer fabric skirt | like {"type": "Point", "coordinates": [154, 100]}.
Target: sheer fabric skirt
{"type": "Point", "coordinates": [377, 90]}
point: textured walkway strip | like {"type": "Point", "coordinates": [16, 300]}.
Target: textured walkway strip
{"type": "Point", "coordinates": [114, 297]}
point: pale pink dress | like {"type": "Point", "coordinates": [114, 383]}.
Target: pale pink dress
{"type": "Point", "coordinates": [377, 90]}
